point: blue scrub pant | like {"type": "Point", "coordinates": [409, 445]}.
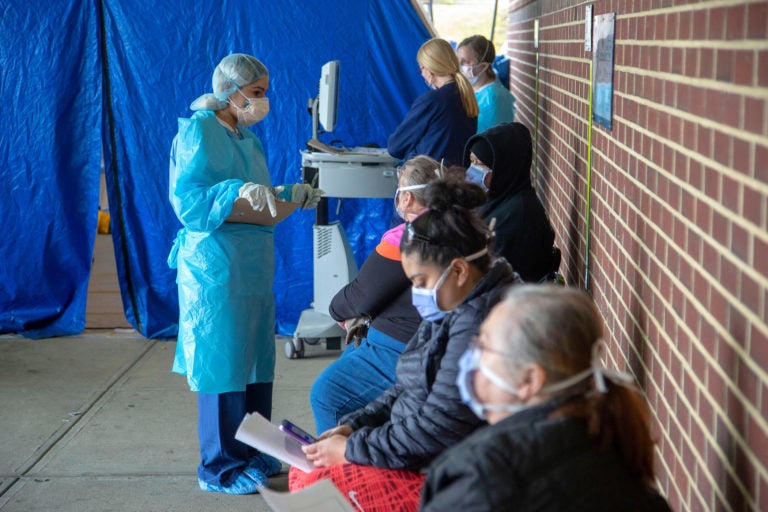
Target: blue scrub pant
{"type": "Point", "coordinates": [354, 380]}
{"type": "Point", "coordinates": [219, 415]}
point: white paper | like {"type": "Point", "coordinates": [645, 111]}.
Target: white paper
{"type": "Point", "coordinates": [322, 496]}
{"type": "Point", "coordinates": [257, 431]}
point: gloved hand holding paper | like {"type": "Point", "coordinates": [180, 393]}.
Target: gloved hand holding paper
{"type": "Point", "coordinates": [258, 196]}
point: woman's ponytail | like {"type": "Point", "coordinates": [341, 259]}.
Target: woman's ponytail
{"type": "Point", "coordinates": [468, 100]}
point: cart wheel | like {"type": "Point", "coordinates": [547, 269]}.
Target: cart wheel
{"type": "Point", "coordinates": [290, 352]}
{"type": "Point", "coordinates": [311, 341]}
{"type": "Point", "coordinates": [294, 348]}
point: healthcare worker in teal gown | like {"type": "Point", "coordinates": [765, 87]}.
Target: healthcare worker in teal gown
{"type": "Point", "coordinates": [226, 340]}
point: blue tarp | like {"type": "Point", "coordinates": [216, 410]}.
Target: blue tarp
{"type": "Point", "coordinates": [113, 75]}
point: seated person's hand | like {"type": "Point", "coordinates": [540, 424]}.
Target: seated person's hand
{"type": "Point", "coordinates": [341, 430]}
{"type": "Point", "coordinates": [327, 452]}
{"type": "Point", "coordinates": [357, 329]}
{"type": "Point", "coordinates": [258, 196]}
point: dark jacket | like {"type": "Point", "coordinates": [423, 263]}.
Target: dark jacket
{"type": "Point", "coordinates": [381, 291]}
{"type": "Point", "coordinates": [529, 462]}
{"type": "Point", "coordinates": [436, 126]}
{"type": "Point", "coordinates": [422, 414]}
{"type": "Point", "coordinates": [524, 235]}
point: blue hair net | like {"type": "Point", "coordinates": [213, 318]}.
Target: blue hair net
{"type": "Point", "coordinates": [234, 71]}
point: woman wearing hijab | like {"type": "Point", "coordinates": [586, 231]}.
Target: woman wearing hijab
{"type": "Point", "coordinates": [499, 160]}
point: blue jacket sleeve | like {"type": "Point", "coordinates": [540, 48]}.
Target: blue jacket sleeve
{"type": "Point", "coordinates": [405, 138]}
{"type": "Point", "coordinates": [200, 153]}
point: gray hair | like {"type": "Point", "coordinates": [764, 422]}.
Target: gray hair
{"type": "Point", "coordinates": [552, 326]}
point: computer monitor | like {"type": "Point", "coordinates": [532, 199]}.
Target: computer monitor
{"type": "Point", "coordinates": [325, 106]}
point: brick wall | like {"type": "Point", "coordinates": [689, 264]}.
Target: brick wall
{"type": "Point", "coordinates": [678, 248]}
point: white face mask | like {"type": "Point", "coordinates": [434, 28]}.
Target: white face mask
{"type": "Point", "coordinates": [401, 213]}
{"type": "Point", "coordinates": [253, 111]}
{"type": "Point", "coordinates": [469, 72]}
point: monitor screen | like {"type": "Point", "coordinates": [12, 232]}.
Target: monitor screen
{"type": "Point", "coordinates": [329, 95]}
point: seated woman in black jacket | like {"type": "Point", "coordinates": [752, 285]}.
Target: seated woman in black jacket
{"type": "Point", "coordinates": [565, 434]}
{"type": "Point", "coordinates": [381, 293]}
{"type": "Point", "coordinates": [499, 160]}
{"type": "Point", "coordinates": [455, 283]}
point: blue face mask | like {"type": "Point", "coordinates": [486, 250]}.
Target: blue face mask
{"type": "Point", "coordinates": [425, 299]}
{"type": "Point", "coordinates": [469, 364]}
{"type": "Point", "coordinates": [477, 176]}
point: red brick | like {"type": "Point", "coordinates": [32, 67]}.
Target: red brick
{"type": "Point", "coordinates": [731, 192]}
{"type": "Point", "coordinates": [720, 231]}
{"type": "Point", "coordinates": [740, 242]}
{"type": "Point", "coordinates": [757, 21]}
{"type": "Point", "coordinates": [677, 61]}
{"type": "Point", "coordinates": [723, 145]}
{"type": "Point", "coordinates": [704, 215]}
{"type": "Point", "coordinates": [750, 293]}
{"type": "Point", "coordinates": [706, 63]}
{"type": "Point", "coordinates": [741, 156]}
{"type": "Point", "coordinates": [684, 27]}
{"type": "Point", "coordinates": [716, 24]}
{"type": "Point", "coordinates": [688, 205]}
{"type": "Point", "coordinates": [691, 62]}
{"type": "Point", "coordinates": [695, 174]}
{"type": "Point", "coordinates": [754, 112]}
{"type": "Point", "coordinates": [735, 22]}
{"type": "Point", "coordinates": [762, 68]}
{"type": "Point", "coordinates": [675, 128]}
{"type": "Point", "coordinates": [760, 256]}
{"type": "Point", "coordinates": [758, 351]}
{"type": "Point", "coordinates": [724, 70]}
{"type": "Point", "coordinates": [670, 94]}
{"type": "Point", "coordinates": [728, 107]}
{"type": "Point", "coordinates": [761, 163]}
{"type": "Point", "coordinates": [712, 186]}
{"type": "Point", "coordinates": [700, 24]}
{"type": "Point", "coordinates": [743, 67]}
{"type": "Point", "coordinates": [681, 166]}
{"type": "Point", "coordinates": [729, 276]}
{"type": "Point", "coordinates": [704, 141]}
{"type": "Point", "coordinates": [688, 134]}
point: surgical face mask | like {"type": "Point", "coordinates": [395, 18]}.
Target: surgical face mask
{"type": "Point", "coordinates": [467, 71]}
{"type": "Point", "coordinates": [253, 111]}
{"type": "Point", "coordinates": [476, 175]}
{"type": "Point", "coordinates": [470, 363]}
{"type": "Point", "coordinates": [401, 213]}
{"type": "Point", "coordinates": [425, 299]}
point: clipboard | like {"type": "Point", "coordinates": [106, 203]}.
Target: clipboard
{"type": "Point", "coordinates": [242, 212]}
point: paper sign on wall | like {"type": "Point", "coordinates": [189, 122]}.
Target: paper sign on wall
{"type": "Point", "coordinates": [602, 66]}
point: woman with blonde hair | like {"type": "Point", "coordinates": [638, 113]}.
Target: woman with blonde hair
{"type": "Point", "coordinates": [442, 119]}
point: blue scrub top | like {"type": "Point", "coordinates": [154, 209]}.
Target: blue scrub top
{"type": "Point", "coordinates": [436, 126]}
{"type": "Point", "coordinates": [497, 105]}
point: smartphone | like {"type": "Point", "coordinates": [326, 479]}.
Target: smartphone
{"type": "Point", "coordinates": [296, 433]}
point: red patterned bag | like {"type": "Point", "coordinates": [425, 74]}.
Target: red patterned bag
{"type": "Point", "coordinates": [366, 488]}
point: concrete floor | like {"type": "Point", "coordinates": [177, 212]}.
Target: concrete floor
{"type": "Point", "coordinates": [97, 422]}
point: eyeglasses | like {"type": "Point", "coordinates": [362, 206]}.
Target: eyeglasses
{"type": "Point", "coordinates": [475, 344]}
{"type": "Point", "coordinates": [411, 235]}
